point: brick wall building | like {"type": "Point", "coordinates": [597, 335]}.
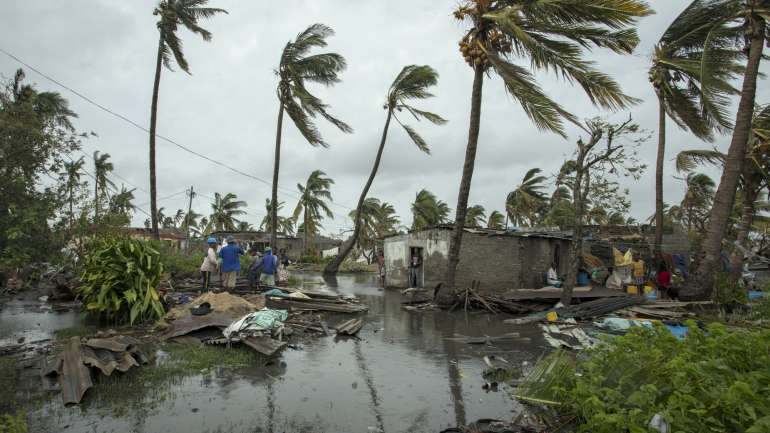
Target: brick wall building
{"type": "Point", "coordinates": [499, 260]}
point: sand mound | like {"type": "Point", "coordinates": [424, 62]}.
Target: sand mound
{"type": "Point", "coordinates": [224, 303]}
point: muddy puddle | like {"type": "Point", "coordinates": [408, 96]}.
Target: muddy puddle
{"type": "Point", "coordinates": [408, 372]}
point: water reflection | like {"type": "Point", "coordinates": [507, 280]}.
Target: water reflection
{"type": "Point", "coordinates": [402, 375]}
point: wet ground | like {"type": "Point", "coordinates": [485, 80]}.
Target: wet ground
{"type": "Point", "coordinates": [406, 373]}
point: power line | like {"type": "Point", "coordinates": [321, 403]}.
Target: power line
{"type": "Point", "coordinates": [144, 129]}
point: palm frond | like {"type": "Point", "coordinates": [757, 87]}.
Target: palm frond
{"type": "Point", "coordinates": [688, 160]}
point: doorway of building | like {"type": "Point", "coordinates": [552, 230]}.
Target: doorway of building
{"type": "Point", "coordinates": [416, 273]}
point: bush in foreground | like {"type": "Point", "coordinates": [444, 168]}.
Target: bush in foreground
{"type": "Point", "coordinates": [712, 381]}
{"type": "Point", "coordinates": [120, 280]}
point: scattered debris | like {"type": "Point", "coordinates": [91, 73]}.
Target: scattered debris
{"type": "Point", "coordinates": [567, 334]}
{"type": "Point", "coordinates": [337, 305]}
{"type": "Point", "coordinates": [350, 327]}
{"type": "Point", "coordinates": [71, 367]}
{"type": "Point", "coordinates": [599, 307]}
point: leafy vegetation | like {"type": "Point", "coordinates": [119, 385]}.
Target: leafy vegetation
{"type": "Point", "coordinates": [428, 211]}
{"type": "Point", "coordinates": [312, 204]}
{"type": "Point", "coordinates": [13, 423]}
{"type": "Point", "coordinates": [714, 380]}
{"type": "Point", "coordinates": [120, 280]}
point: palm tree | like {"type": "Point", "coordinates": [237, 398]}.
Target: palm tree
{"type": "Point", "coordinates": [224, 211]}
{"type": "Point", "coordinates": [553, 35]}
{"type": "Point", "coordinates": [191, 222]}
{"type": "Point", "coordinates": [753, 180]}
{"type": "Point", "coordinates": [312, 203]}
{"type": "Point", "coordinates": [71, 174]}
{"type": "Point", "coordinates": [697, 200]}
{"type": "Point", "coordinates": [51, 107]}
{"type": "Point", "coordinates": [475, 217]}
{"type": "Point", "coordinates": [412, 83]}
{"type": "Point", "coordinates": [101, 168]}
{"type": "Point", "coordinates": [121, 202]}
{"type": "Point", "coordinates": [677, 73]}
{"type": "Point", "coordinates": [387, 221]}
{"type": "Point", "coordinates": [428, 211]}
{"type": "Point", "coordinates": [523, 203]}
{"type": "Point", "coordinates": [748, 18]}
{"type": "Point", "coordinates": [496, 221]}
{"type": "Point", "coordinates": [244, 226]}
{"type": "Point", "coordinates": [172, 14]}
{"type": "Point", "coordinates": [295, 69]}
{"type": "Point", "coordinates": [285, 224]}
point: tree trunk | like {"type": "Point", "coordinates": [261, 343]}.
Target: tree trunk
{"type": "Point", "coordinates": [346, 247]}
{"type": "Point", "coordinates": [276, 167]}
{"type": "Point", "coordinates": [659, 176]}
{"type": "Point", "coordinates": [465, 184]}
{"type": "Point", "coordinates": [744, 226]}
{"type": "Point", "coordinates": [578, 201]}
{"type": "Point", "coordinates": [96, 197]}
{"type": "Point", "coordinates": [153, 127]}
{"type": "Point", "coordinates": [307, 244]}
{"type": "Point", "coordinates": [724, 198]}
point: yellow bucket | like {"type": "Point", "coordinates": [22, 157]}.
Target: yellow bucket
{"type": "Point", "coordinates": [552, 316]}
{"type": "Point", "coordinates": [648, 289]}
{"type": "Point", "coordinates": [632, 290]}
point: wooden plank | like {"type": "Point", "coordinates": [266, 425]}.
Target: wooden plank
{"type": "Point", "coordinates": [284, 303]}
{"type": "Point", "coordinates": [527, 294]}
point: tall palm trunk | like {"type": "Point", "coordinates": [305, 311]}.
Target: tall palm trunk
{"type": "Point", "coordinates": [334, 266]}
{"type": "Point", "coordinates": [307, 230]}
{"type": "Point", "coordinates": [276, 167]}
{"type": "Point", "coordinates": [724, 198]}
{"type": "Point", "coordinates": [465, 183]}
{"type": "Point", "coordinates": [750, 194]}
{"type": "Point", "coordinates": [153, 126]}
{"type": "Point", "coordinates": [96, 197]}
{"type": "Point", "coordinates": [659, 175]}
{"type": "Point", "coordinates": [72, 216]}
{"type": "Point", "coordinates": [578, 200]}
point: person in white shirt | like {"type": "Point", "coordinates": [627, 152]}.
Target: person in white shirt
{"type": "Point", "coordinates": [210, 263]}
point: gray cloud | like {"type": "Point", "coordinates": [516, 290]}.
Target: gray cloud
{"type": "Point", "coordinates": [227, 108]}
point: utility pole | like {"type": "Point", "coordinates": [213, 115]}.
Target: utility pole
{"type": "Point", "coordinates": [187, 217]}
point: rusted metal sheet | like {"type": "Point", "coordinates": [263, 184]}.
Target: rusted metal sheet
{"type": "Point", "coordinates": [186, 325]}
{"type": "Point", "coordinates": [75, 378]}
{"type": "Point", "coordinates": [107, 361]}
{"type": "Point", "coordinates": [350, 327]}
{"type": "Point", "coordinates": [264, 345]}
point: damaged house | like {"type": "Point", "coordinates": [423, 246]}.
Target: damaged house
{"type": "Point", "coordinates": [507, 259]}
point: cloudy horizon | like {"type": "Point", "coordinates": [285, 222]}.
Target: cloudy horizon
{"type": "Point", "coordinates": [227, 108]}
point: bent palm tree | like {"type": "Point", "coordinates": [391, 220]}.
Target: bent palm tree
{"type": "Point", "coordinates": [312, 204]}
{"type": "Point", "coordinates": [552, 34]}
{"type": "Point", "coordinates": [224, 211]}
{"type": "Point", "coordinates": [691, 52]}
{"type": "Point", "coordinates": [122, 201]}
{"type": "Point", "coordinates": [754, 178]}
{"type": "Point", "coordinates": [101, 168]}
{"type": "Point", "coordinates": [295, 69]}
{"type": "Point", "coordinates": [748, 18]}
{"type": "Point", "coordinates": [172, 14]}
{"type": "Point", "coordinates": [523, 203]}
{"type": "Point", "coordinates": [410, 84]}
{"type": "Point", "coordinates": [428, 211]}
{"type": "Point", "coordinates": [496, 221]}
{"type": "Point", "coordinates": [285, 224]}
{"type": "Point", "coordinates": [475, 217]}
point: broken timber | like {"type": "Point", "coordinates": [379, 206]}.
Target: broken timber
{"type": "Point", "coordinates": [337, 306]}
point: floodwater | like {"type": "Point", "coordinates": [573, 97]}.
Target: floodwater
{"type": "Point", "coordinates": [402, 375]}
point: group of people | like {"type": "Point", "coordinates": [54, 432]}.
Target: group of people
{"type": "Point", "coordinates": [264, 269]}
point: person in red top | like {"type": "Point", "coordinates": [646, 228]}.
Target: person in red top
{"type": "Point", "coordinates": [664, 280]}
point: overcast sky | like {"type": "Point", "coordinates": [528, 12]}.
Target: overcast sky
{"type": "Point", "coordinates": [227, 108]}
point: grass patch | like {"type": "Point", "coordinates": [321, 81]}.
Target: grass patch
{"type": "Point", "coordinates": [144, 388]}
{"type": "Point", "coordinates": [13, 423]}
{"type": "Point", "coordinates": [75, 331]}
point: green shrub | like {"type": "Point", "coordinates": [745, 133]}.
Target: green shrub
{"type": "Point", "coordinates": [354, 267]}
{"type": "Point", "coordinates": [760, 309]}
{"type": "Point", "coordinates": [712, 381]}
{"type": "Point", "coordinates": [728, 293]}
{"type": "Point", "coordinates": [13, 424]}
{"type": "Point", "coordinates": [120, 280]}
{"type": "Point", "coordinates": [179, 264]}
